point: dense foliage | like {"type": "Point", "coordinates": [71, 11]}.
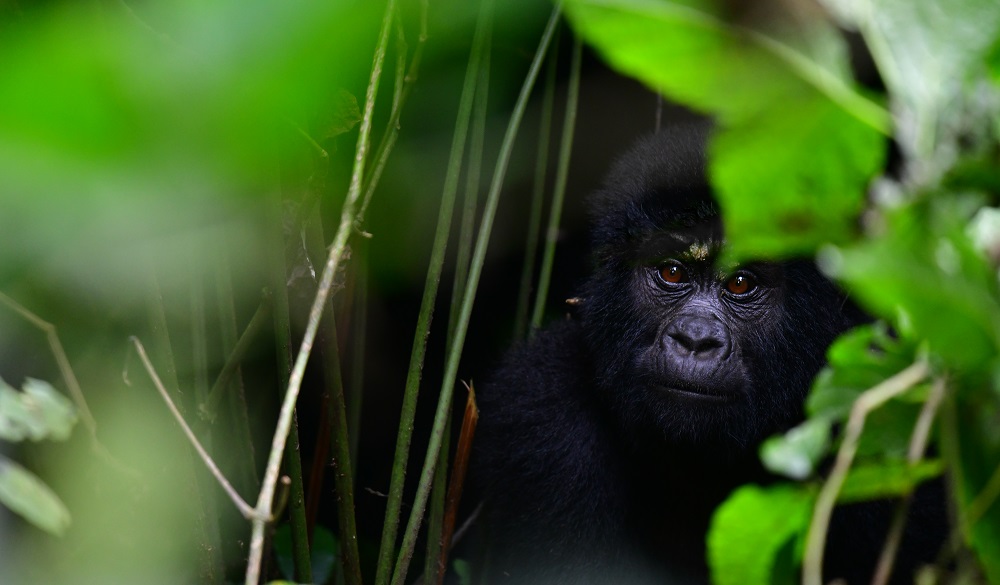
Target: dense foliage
{"type": "Point", "coordinates": [163, 162]}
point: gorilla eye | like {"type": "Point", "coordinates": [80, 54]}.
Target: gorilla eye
{"type": "Point", "coordinates": [740, 284]}
{"type": "Point", "coordinates": [673, 274]}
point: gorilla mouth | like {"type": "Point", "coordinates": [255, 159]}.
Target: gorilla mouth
{"type": "Point", "coordinates": [699, 394]}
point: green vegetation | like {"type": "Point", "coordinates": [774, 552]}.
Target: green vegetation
{"type": "Point", "coordinates": [163, 163]}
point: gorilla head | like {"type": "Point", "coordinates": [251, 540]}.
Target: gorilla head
{"type": "Point", "coordinates": [687, 349]}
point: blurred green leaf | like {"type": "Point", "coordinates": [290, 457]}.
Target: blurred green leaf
{"type": "Point", "coordinates": [796, 453]}
{"type": "Point", "coordinates": [886, 479]}
{"type": "Point", "coordinates": [341, 116]}
{"type": "Point", "coordinates": [792, 129]}
{"type": "Point", "coordinates": [751, 529]}
{"type": "Point", "coordinates": [123, 140]}
{"type": "Point", "coordinates": [921, 268]}
{"type": "Point", "coordinates": [25, 494]}
{"type": "Point", "coordinates": [858, 360]}
{"type": "Point", "coordinates": [39, 412]}
{"type": "Point", "coordinates": [973, 422]}
{"type": "Point", "coordinates": [463, 571]}
{"type": "Point", "coordinates": [927, 51]}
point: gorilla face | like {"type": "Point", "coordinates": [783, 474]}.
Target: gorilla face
{"type": "Point", "coordinates": [688, 350]}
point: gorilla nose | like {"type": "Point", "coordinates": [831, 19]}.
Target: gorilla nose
{"type": "Point", "coordinates": [702, 337]}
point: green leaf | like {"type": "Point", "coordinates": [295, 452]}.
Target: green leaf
{"type": "Point", "coordinates": [340, 116]}
{"type": "Point", "coordinates": [974, 440]}
{"type": "Point", "coordinates": [922, 268]}
{"type": "Point", "coordinates": [25, 494]}
{"type": "Point", "coordinates": [858, 360]}
{"type": "Point", "coordinates": [796, 453]}
{"type": "Point", "coordinates": [926, 52]}
{"type": "Point", "coordinates": [886, 479]}
{"type": "Point", "coordinates": [792, 129]}
{"type": "Point", "coordinates": [752, 528]}
{"type": "Point", "coordinates": [463, 571]}
{"type": "Point", "coordinates": [39, 412]}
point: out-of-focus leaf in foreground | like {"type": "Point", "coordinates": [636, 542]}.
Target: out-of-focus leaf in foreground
{"type": "Point", "coordinates": [39, 412]}
{"type": "Point", "coordinates": [923, 268]}
{"type": "Point", "coordinates": [120, 138]}
{"type": "Point", "coordinates": [751, 528]}
{"type": "Point", "coordinates": [793, 130]}
{"type": "Point", "coordinates": [24, 493]}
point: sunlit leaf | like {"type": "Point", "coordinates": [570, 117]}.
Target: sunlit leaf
{"type": "Point", "coordinates": [24, 493]}
{"type": "Point", "coordinates": [792, 129]}
{"type": "Point", "coordinates": [751, 528]}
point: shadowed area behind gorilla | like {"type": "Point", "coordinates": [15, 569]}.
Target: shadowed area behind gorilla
{"type": "Point", "coordinates": [605, 444]}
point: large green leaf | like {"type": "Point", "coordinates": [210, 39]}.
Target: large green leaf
{"type": "Point", "coordinates": [24, 493]}
{"type": "Point", "coordinates": [793, 132]}
{"type": "Point", "coordinates": [925, 273]}
{"type": "Point", "coordinates": [751, 528]}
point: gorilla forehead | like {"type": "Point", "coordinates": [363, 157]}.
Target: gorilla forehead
{"type": "Point", "coordinates": [658, 186]}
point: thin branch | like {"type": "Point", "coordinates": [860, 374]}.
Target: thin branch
{"type": "Point", "coordinates": [244, 508]}
{"type": "Point", "coordinates": [61, 361]}
{"type": "Point", "coordinates": [918, 444]}
{"type": "Point", "coordinates": [400, 93]}
{"type": "Point", "coordinates": [812, 566]}
{"type": "Point", "coordinates": [337, 250]}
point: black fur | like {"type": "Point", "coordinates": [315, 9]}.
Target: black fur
{"type": "Point", "coordinates": [605, 444]}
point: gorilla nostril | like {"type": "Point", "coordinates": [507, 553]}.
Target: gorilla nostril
{"type": "Point", "coordinates": [701, 336]}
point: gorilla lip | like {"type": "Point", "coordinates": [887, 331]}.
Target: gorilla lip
{"type": "Point", "coordinates": [691, 394]}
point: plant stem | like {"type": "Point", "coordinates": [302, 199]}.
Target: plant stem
{"type": "Point", "coordinates": [479, 255]}
{"type": "Point", "coordinates": [537, 198]}
{"type": "Point", "coordinates": [812, 566]}
{"type": "Point", "coordinates": [558, 195]}
{"type": "Point", "coordinates": [419, 348]}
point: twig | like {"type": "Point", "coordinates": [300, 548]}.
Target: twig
{"type": "Point", "coordinates": [244, 508]}
{"type": "Point", "coordinates": [400, 93]}
{"type": "Point", "coordinates": [918, 444]}
{"type": "Point", "coordinates": [812, 566]}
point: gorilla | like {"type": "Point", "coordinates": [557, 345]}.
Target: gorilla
{"type": "Point", "coordinates": [606, 442]}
